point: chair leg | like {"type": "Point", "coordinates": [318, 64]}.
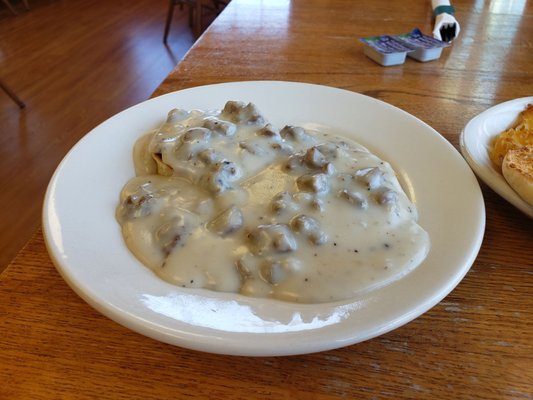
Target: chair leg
{"type": "Point", "coordinates": [220, 3]}
{"type": "Point", "coordinates": [170, 14]}
{"type": "Point", "coordinates": [9, 6]}
{"type": "Point", "coordinates": [191, 16]}
{"type": "Point", "coordinates": [11, 94]}
{"type": "Point", "coordinates": [197, 25]}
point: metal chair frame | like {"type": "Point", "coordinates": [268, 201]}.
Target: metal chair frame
{"type": "Point", "coordinates": [196, 8]}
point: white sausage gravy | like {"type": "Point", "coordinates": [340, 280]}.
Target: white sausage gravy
{"type": "Point", "coordinates": [225, 201]}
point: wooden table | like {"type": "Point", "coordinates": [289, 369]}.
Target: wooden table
{"type": "Point", "coordinates": [475, 344]}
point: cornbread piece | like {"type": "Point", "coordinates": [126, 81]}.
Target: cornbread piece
{"type": "Point", "coordinates": [517, 168]}
{"type": "Point", "coordinates": [513, 138]}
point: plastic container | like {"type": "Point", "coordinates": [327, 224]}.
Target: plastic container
{"type": "Point", "coordinates": [425, 48]}
{"type": "Point", "coordinates": [385, 50]}
{"type": "Point", "coordinates": [392, 49]}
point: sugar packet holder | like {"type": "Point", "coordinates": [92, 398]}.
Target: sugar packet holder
{"type": "Point", "coordinates": [392, 49]}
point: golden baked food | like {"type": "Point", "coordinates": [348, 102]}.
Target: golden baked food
{"type": "Point", "coordinates": [513, 138]}
{"type": "Point", "coordinates": [517, 168]}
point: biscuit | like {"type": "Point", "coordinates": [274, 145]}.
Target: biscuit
{"type": "Point", "coordinates": [517, 168]}
{"type": "Point", "coordinates": [513, 138]}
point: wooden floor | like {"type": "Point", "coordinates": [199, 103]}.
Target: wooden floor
{"type": "Point", "coordinates": [74, 63]}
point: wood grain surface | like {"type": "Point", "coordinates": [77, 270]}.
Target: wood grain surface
{"type": "Point", "coordinates": [74, 64]}
{"type": "Point", "coordinates": [475, 344]}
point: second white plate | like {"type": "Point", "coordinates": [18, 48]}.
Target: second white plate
{"type": "Point", "coordinates": [476, 140]}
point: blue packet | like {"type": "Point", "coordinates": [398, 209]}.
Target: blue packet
{"type": "Point", "coordinates": [385, 44]}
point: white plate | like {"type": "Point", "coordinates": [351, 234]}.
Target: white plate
{"type": "Point", "coordinates": [85, 241]}
{"type": "Point", "coordinates": [475, 144]}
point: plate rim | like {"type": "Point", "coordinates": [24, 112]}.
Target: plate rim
{"type": "Point", "coordinates": [487, 173]}
{"type": "Point", "coordinates": [170, 337]}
